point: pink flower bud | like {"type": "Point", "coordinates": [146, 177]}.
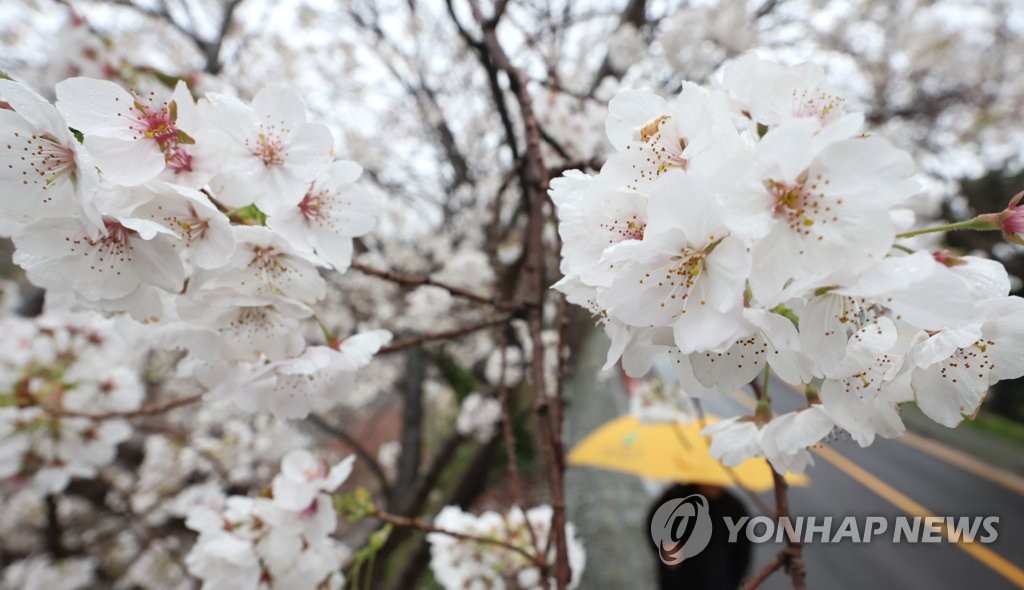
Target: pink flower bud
{"type": "Point", "coordinates": [1011, 221]}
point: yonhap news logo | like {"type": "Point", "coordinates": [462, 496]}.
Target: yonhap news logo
{"type": "Point", "coordinates": [682, 528]}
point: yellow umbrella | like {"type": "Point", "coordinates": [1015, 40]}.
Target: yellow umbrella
{"type": "Point", "coordinates": [670, 451]}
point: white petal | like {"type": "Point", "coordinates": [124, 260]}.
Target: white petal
{"type": "Point", "coordinates": [128, 163]}
{"type": "Point", "coordinates": [339, 473]}
{"type": "Point", "coordinates": [629, 111]}
{"type": "Point", "coordinates": [97, 107]}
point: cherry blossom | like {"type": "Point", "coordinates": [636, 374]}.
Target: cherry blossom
{"type": "Point", "coordinates": [750, 226]}
{"type": "Point", "coordinates": [263, 264]}
{"type": "Point", "coordinates": [817, 204]}
{"type": "Point", "coordinates": [692, 133]}
{"type": "Point", "coordinates": [205, 238]}
{"type": "Point", "coordinates": [863, 397]}
{"type": "Point", "coordinates": [593, 217]}
{"type": "Point", "coordinates": [132, 252]}
{"type": "Point", "coordinates": [273, 154]}
{"type": "Point", "coordinates": [135, 136]}
{"type": "Point", "coordinates": [333, 211]}
{"type": "Point", "coordinates": [955, 368]}
{"type": "Point", "coordinates": [773, 94]}
{"type": "Point", "coordinates": [478, 417]}
{"type": "Point", "coordinates": [40, 573]}
{"type": "Point", "coordinates": [458, 563]}
{"type": "Point", "coordinates": [290, 388]}
{"type": "Point", "coordinates": [687, 272]}
{"type": "Point", "coordinates": [255, 543]}
{"type": "Point", "coordinates": [221, 325]}
{"type": "Point", "coordinates": [47, 436]}
{"type": "Point", "coordinates": [302, 477]}
{"type": "Point", "coordinates": [44, 171]}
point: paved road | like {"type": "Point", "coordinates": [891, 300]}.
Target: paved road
{"type": "Point", "coordinates": [893, 478]}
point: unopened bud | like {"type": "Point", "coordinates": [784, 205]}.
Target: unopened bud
{"type": "Point", "coordinates": [1011, 221]}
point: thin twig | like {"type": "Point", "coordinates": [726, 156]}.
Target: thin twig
{"type": "Point", "coordinates": [423, 280]}
{"type": "Point", "coordinates": [414, 523]}
{"type": "Point", "coordinates": [150, 410]}
{"type": "Point", "coordinates": [210, 48]}
{"type": "Point", "coordinates": [444, 335]}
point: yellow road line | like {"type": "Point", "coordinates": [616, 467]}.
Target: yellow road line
{"type": "Point", "coordinates": [990, 558]}
{"type": "Point", "coordinates": [986, 556]}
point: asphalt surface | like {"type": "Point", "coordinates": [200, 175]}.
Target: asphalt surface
{"type": "Point", "coordinates": [889, 479]}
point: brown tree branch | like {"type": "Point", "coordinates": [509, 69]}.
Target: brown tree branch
{"type": "Point", "coordinates": [791, 556]}
{"type": "Point", "coordinates": [209, 48]}
{"type": "Point", "coordinates": [444, 335]}
{"type": "Point", "coordinates": [533, 181]}
{"type": "Point", "coordinates": [426, 527]}
{"type": "Point", "coordinates": [423, 280]}
{"type": "Point", "coordinates": [409, 459]}
{"type": "Point", "coordinates": [150, 410]}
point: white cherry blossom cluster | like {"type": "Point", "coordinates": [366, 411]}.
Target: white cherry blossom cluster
{"type": "Point", "coordinates": [56, 374]}
{"type": "Point", "coordinates": [468, 563]}
{"type": "Point", "coordinates": [211, 219]}
{"type": "Point", "coordinates": [752, 225]}
{"type": "Point", "coordinates": [223, 450]}
{"type": "Point", "coordinates": [478, 417]}
{"type": "Point", "coordinates": [40, 573]}
{"type": "Point", "coordinates": [279, 542]}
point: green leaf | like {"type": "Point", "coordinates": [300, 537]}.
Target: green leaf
{"type": "Point", "coordinates": [249, 215]}
{"type": "Point", "coordinates": [787, 313]}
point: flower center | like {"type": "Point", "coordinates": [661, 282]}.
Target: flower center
{"type": "Point", "coordinates": [683, 272]}
{"type": "Point", "coordinates": [816, 104]}
{"type": "Point", "coordinates": [652, 129]}
{"type": "Point", "coordinates": [158, 125]}
{"type": "Point", "coordinates": [661, 150]}
{"type": "Point", "coordinates": [158, 122]}
{"type": "Point", "coordinates": [269, 149]}
{"type": "Point", "coordinates": [311, 206]}
{"type": "Point", "coordinates": [54, 158]}
{"type": "Point", "coordinates": [194, 229]}
{"type": "Point", "coordinates": [630, 229]}
{"type": "Point", "coordinates": [801, 204]}
{"type": "Point", "coordinates": [46, 157]}
{"type": "Point", "coordinates": [266, 259]}
{"type": "Point", "coordinates": [116, 233]}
